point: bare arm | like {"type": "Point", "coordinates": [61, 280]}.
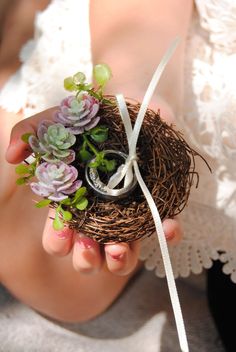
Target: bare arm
{"type": "Point", "coordinates": [17, 28]}
{"type": "Point", "coordinates": [132, 37]}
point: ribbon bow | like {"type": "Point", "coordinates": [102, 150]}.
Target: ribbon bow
{"type": "Point", "coordinates": [125, 172]}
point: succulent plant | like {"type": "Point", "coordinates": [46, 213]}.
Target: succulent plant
{"type": "Point", "coordinates": [79, 113]}
{"type": "Point", "coordinates": [56, 181]}
{"type": "Point", "coordinates": [53, 142]}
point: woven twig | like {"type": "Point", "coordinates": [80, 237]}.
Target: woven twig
{"type": "Point", "coordinates": [167, 166]}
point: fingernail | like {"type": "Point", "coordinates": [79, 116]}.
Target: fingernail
{"type": "Point", "coordinates": [84, 242]}
{"type": "Point", "coordinates": [65, 234]}
{"type": "Point", "coordinates": [170, 236]}
{"type": "Point", "coordinates": [117, 256]}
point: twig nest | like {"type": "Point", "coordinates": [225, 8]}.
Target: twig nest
{"type": "Point", "coordinates": [82, 165]}
{"type": "Point", "coordinates": [167, 166]}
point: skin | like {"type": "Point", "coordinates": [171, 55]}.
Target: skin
{"type": "Point", "coordinates": [56, 273]}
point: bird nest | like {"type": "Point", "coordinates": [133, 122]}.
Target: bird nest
{"type": "Point", "coordinates": [167, 167]}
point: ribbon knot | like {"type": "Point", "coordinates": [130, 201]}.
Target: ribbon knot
{"type": "Point", "coordinates": [134, 157]}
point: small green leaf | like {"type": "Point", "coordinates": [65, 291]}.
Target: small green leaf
{"type": "Point", "coordinates": [80, 193]}
{"type": "Point", "coordinates": [69, 84]}
{"type": "Point", "coordinates": [102, 74]}
{"type": "Point", "coordinates": [100, 156]}
{"type": "Point", "coordinates": [21, 181]}
{"type": "Point", "coordinates": [57, 223]}
{"type": "Point", "coordinates": [108, 102]}
{"type": "Point", "coordinates": [96, 95]}
{"type": "Point", "coordinates": [102, 168]}
{"type": "Point", "coordinates": [66, 201]}
{"type": "Point", "coordinates": [87, 87]}
{"type": "Point", "coordinates": [82, 203]}
{"type": "Point", "coordinates": [110, 164]}
{"type": "Point", "coordinates": [43, 203]}
{"type": "Point", "coordinates": [22, 169]}
{"type": "Point", "coordinates": [32, 168]}
{"type": "Point", "coordinates": [98, 161]}
{"type": "Point", "coordinates": [67, 216]}
{"type": "Point", "coordinates": [79, 77]}
{"type": "Point", "coordinates": [25, 137]}
{"type": "Point", "coordinates": [99, 134]}
{"type": "Point", "coordinates": [93, 164]}
{"type": "Point", "coordinates": [85, 155]}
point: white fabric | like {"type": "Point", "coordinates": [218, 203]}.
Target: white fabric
{"type": "Point", "coordinates": [141, 321]}
{"type": "Point", "coordinates": [209, 124]}
{"type": "Point", "coordinates": [61, 46]}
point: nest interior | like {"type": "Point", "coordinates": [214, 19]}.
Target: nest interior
{"type": "Point", "coordinates": [167, 167]}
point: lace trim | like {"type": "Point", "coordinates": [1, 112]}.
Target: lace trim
{"type": "Point", "coordinates": [218, 17]}
{"type": "Point", "coordinates": [206, 233]}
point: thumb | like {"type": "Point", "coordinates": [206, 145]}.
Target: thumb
{"type": "Point", "coordinates": [18, 150]}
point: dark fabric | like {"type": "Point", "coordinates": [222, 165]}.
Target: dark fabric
{"type": "Point", "coordinates": [221, 293]}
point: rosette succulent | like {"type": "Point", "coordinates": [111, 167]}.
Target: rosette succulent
{"type": "Point", "coordinates": [78, 114]}
{"type": "Point", "coordinates": [53, 141]}
{"type": "Point", "coordinates": [56, 181]}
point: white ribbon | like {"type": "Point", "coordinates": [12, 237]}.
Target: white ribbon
{"type": "Point", "coordinates": [126, 171]}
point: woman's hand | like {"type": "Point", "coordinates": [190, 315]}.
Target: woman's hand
{"type": "Point", "coordinates": [87, 255]}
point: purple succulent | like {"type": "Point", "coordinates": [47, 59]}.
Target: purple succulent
{"type": "Point", "coordinates": [78, 114]}
{"type": "Point", "coordinates": [56, 181]}
{"type": "Point", "coordinates": [53, 142]}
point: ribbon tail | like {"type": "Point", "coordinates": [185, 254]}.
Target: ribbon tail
{"type": "Point", "coordinates": [167, 263]}
{"type": "Point", "coordinates": [149, 93]}
{"type": "Point", "coordinates": [132, 136]}
{"type": "Point", "coordinates": [124, 113]}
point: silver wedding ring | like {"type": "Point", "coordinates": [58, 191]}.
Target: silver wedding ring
{"type": "Point", "coordinates": [100, 188]}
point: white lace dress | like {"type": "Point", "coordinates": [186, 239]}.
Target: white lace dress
{"type": "Point", "coordinates": [209, 123]}
{"type": "Point", "coordinates": [61, 48]}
